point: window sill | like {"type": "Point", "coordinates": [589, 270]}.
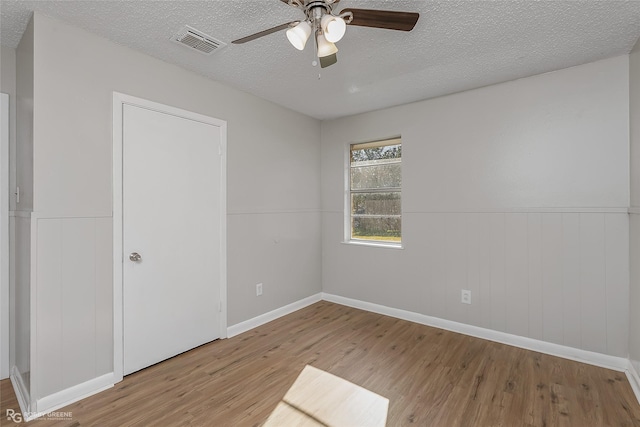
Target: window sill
{"type": "Point", "coordinates": [373, 244]}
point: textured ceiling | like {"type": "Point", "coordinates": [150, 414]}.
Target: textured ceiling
{"type": "Point", "coordinates": [456, 45]}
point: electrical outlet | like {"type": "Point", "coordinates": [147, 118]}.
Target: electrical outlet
{"type": "Point", "coordinates": [466, 296]}
{"type": "Point", "coordinates": [259, 289]}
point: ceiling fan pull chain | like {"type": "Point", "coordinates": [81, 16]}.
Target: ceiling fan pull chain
{"type": "Point", "coordinates": [315, 47]}
{"type": "Point", "coordinates": [315, 52]}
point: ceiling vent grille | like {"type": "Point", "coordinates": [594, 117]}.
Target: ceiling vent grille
{"type": "Point", "coordinates": [197, 40]}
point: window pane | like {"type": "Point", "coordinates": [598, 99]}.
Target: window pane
{"type": "Point", "coordinates": [376, 228]}
{"type": "Point", "coordinates": [377, 153]}
{"type": "Point", "coordinates": [383, 175]}
{"type": "Point", "coordinates": [385, 204]}
{"type": "Point", "coordinates": [376, 216]}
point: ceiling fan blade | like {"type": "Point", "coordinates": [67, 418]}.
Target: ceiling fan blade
{"type": "Point", "coordinates": [389, 19]}
{"type": "Point", "coordinates": [265, 32]}
{"type": "Point", "coordinates": [325, 61]}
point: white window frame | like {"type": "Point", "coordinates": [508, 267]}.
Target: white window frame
{"type": "Point", "coordinates": [347, 198]}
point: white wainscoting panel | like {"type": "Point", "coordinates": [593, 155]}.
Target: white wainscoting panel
{"type": "Point", "coordinates": [560, 277]}
{"type": "Point", "coordinates": [534, 277]}
{"type": "Point", "coordinates": [617, 270]}
{"type": "Point", "coordinates": [21, 325]}
{"type": "Point", "coordinates": [516, 263]}
{"type": "Point", "coordinates": [73, 310]}
{"type": "Point", "coordinates": [634, 295]}
{"type": "Point", "coordinates": [552, 285]}
{"type": "Point", "coordinates": [592, 283]}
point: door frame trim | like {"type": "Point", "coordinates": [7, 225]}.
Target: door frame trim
{"type": "Point", "coordinates": [5, 320]}
{"type": "Point", "coordinates": [119, 101]}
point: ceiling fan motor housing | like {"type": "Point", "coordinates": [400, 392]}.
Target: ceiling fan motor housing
{"type": "Point", "coordinates": [315, 10]}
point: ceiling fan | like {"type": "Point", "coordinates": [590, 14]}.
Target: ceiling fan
{"type": "Point", "coordinates": [328, 27]}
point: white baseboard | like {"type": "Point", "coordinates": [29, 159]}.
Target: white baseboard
{"type": "Point", "coordinates": [603, 360]}
{"type": "Point", "coordinates": [634, 379]}
{"type": "Point", "coordinates": [21, 390]}
{"type": "Point", "coordinates": [241, 327]}
{"type": "Point", "coordinates": [70, 395]}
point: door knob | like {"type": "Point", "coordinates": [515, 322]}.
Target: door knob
{"type": "Point", "coordinates": [135, 256]}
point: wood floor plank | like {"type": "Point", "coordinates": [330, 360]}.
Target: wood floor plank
{"type": "Point", "coordinates": [431, 377]}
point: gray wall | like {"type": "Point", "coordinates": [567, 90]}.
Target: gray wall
{"type": "Point", "coordinates": [634, 212]}
{"type": "Point", "coordinates": [272, 198]}
{"type": "Point", "coordinates": [517, 191]}
{"type": "Point", "coordinates": [8, 86]}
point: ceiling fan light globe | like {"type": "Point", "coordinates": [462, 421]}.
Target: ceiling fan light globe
{"type": "Point", "coordinates": [325, 48]}
{"type": "Point", "coordinates": [299, 35]}
{"type": "Point", "coordinates": [333, 27]}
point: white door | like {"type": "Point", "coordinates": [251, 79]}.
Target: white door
{"type": "Point", "coordinates": [171, 220]}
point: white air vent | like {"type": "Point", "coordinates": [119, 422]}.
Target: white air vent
{"type": "Point", "coordinates": [197, 40]}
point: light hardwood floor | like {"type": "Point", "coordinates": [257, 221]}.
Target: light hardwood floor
{"type": "Point", "coordinates": [430, 376]}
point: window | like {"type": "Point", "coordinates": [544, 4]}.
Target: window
{"type": "Point", "coordinates": [375, 180]}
